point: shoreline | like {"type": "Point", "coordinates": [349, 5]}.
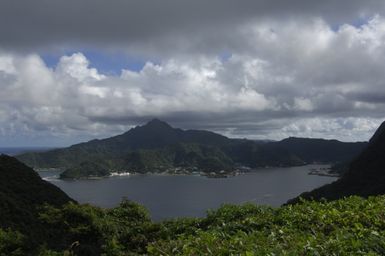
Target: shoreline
{"type": "Point", "coordinates": [322, 172]}
{"type": "Point", "coordinates": [178, 171]}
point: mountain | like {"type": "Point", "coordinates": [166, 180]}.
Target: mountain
{"type": "Point", "coordinates": [364, 177]}
{"type": "Point", "coordinates": [321, 150]}
{"type": "Point", "coordinates": [158, 147]}
{"type": "Point", "coordinates": [155, 134]}
{"type": "Point", "coordinates": [22, 193]}
{"type": "Point", "coordinates": [12, 151]}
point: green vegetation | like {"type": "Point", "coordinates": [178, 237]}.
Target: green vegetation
{"type": "Point", "coordinates": [22, 193]}
{"type": "Point", "coordinates": [37, 219]}
{"type": "Point", "coordinates": [85, 169]}
{"type": "Point", "coordinates": [350, 226]}
{"type": "Point", "coordinates": [11, 243]}
{"type": "Point", "coordinates": [157, 147]}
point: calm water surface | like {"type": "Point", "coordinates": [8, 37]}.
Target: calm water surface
{"type": "Point", "coordinates": [169, 196]}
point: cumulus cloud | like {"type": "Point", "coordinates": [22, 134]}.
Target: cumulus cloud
{"type": "Point", "coordinates": [312, 76]}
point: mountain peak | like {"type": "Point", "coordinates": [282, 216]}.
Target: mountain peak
{"type": "Point", "coordinates": [156, 123]}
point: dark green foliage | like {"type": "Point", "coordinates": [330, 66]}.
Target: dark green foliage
{"type": "Point", "coordinates": [22, 193]}
{"type": "Point", "coordinates": [132, 227]}
{"type": "Point", "coordinates": [350, 226]}
{"type": "Point", "coordinates": [11, 243]}
{"type": "Point", "coordinates": [75, 229]}
{"type": "Point", "coordinates": [85, 169]}
{"type": "Point", "coordinates": [79, 227]}
{"type": "Point", "coordinates": [89, 230]}
{"type": "Point", "coordinates": [156, 147]}
{"type": "Point", "coordinates": [147, 161]}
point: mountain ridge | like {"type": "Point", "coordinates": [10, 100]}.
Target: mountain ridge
{"type": "Point", "coordinates": [22, 194]}
{"type": "Point", "coordinates": [160, 147]}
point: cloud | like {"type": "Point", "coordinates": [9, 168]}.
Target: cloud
{"type": "Point", "coordinates": [315, 75]}
{"type": "Point", "coordinates": [76, 66]}
{"type": "Point", "coordinates": [158, 26]}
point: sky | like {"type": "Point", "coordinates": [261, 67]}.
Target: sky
{"type": "Point", "coordinates": [72, 70]}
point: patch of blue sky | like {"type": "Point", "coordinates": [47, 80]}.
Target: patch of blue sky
{"type": "Point", "coordinates": [111, 63]}
{"type": "Point", "coordinates": [105, 62]}
{"type": "Point", "coordinates": [358, 22]}
{"type": "Point", "coordinates": [225, 56]}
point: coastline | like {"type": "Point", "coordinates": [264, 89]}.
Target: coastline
{"type": "Point", "coordinates": [323, 172]}
{"type": "Point", "coordinates": [319, 171]}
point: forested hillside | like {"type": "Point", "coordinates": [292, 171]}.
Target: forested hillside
{"type": "Point", "coordinates": [158, 147]}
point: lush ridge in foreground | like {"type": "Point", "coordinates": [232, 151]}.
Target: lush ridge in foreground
{"type": "Point", "coordinates": [22, 193]}
{"type": "Point", "coordinates": [350, 226]}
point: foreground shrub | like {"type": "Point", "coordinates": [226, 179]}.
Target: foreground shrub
{"type": "Point", "coordinates": [11, 243]}
{"type": "Point", "coordinates": [350, 226]}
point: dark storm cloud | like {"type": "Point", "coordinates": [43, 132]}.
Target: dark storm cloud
{"type": "Point", "coordinates": [371, 97]}
{"type": "Point", "coordinates": [56, 23]}
{"type": "Point", "coordinates": [259, 69]}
